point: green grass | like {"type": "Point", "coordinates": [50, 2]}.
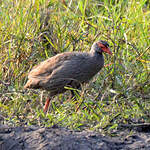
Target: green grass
{"type": "Point", "coordinates": [30, 32]}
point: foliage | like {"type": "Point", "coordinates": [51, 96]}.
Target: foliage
{"type": "Point", "coordinates": [32, 31]}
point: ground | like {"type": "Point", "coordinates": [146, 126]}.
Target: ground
{"type": "Point", "coordinates": [57, 138]}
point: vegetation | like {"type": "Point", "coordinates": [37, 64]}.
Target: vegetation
{"type": "Point", "coordinates": [32, 31]}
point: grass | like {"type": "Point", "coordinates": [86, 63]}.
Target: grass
{"type": "Point", "coordinates": [32, 31]}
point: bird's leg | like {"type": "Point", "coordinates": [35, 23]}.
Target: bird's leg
{"type": "Point", "coordinates": [79, 102]}
{"type": "Point", "coordinates": [46, 105]}
{"type": "Point", "coordinates": [74, 94]}
{"type": "Point", "coordinates": [70, 97]}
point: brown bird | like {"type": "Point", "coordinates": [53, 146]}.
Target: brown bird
{"type": "Point", "coordinates": [68, 69]}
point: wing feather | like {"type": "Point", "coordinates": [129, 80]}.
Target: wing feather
{"type": "Point", "coordinates": [49, 70]}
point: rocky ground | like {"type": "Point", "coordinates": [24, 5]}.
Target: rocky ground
{"type": "Point", "coordinates": [56, 138]}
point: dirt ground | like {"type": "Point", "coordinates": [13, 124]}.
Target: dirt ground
{"type": "Point", "coordinates": [56, 138]}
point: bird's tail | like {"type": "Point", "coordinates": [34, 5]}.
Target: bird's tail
{"type": "Point", "coordinates": [32, 84]}
{"type": "Point", "coordinates": [28, 84]}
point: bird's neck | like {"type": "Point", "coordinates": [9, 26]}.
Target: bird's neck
{"type": "Point", "coordinates": [96, 54]}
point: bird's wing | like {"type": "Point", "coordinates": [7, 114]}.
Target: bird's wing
{"type": "Point", "coordinates": [46, 67]}
{"type": "Point", "coordinates": [51, 69]}
{"type": "Point", "coordinates": [79, 68]}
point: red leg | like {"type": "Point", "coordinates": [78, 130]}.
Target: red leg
{"type": "Point", "coordinates": [46, 105]}
{"type": "Point", "coordinates": [108, 65]}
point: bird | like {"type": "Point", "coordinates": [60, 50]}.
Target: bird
{"type": "Point", "coordinates": [67, 69]}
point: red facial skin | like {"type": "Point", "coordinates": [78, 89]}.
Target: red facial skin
{"type": "Point", "coordinates": [104, 48]}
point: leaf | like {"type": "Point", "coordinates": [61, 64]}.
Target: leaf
{"type": "Point", "coordinates": [80, 4]}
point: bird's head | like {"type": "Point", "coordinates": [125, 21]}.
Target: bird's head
{"type": "Point", "coordinates": [100, 47]}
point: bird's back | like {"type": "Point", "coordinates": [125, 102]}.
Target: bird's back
{"type": "Point", "coordinates": [60, 70]}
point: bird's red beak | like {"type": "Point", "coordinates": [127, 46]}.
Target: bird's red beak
{"type": "Point", "coordinates": [104, 48]}
{"type": "Point", "coordinates": [107, 50]}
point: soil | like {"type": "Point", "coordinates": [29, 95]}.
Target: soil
{"type": "Point", "coordinates": [57, 138]}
